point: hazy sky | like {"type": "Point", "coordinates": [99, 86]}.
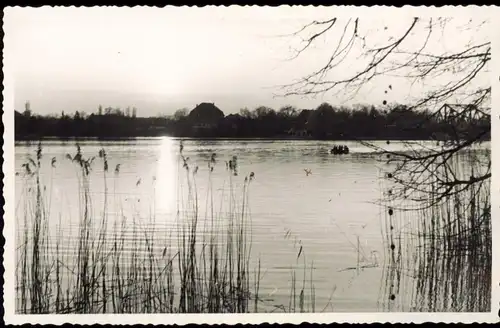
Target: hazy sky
{"type": "Point", "coordinates": [160, 60]}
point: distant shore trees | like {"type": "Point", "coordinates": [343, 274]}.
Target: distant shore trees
{"type": "Point", "coordinates": [326, 122]}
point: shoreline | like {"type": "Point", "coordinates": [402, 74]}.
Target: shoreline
{"type": "Point", "coordinates": [53, 138]}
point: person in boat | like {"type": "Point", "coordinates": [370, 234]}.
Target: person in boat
{"type": "Point", "coordinates": [337, 150]}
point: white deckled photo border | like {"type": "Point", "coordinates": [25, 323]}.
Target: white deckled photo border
{"type": "Point", "coordinates": [181, 319]}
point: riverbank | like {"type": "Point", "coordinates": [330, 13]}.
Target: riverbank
{"type": "Point", "coordinates": [208, 122]}
{"type": "Point", "coordinates": [277, 138]}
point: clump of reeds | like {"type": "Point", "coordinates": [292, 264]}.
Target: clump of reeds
{"type": "Point", "coordinates": [125, 266]}
{"type": "Point", "coordinates": [447, 245]}
{"type": "Point", "coordinates": [214, 273]}
{"type": "Point", "coordinates": [34, 261]}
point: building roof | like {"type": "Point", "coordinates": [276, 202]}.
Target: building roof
{"type": "Point", "coordinates": [206, 113]}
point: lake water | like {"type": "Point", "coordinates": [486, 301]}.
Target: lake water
{"type": "Point", "coordinates": [323, 215]}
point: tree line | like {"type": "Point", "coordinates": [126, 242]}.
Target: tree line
{"type": "Point", "coordinates": [326, 122]}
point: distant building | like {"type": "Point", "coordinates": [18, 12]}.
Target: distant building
{"type": "Point", "coordinates": [205, 116]}
{"type": "Point", "coordinates": [233, 120]}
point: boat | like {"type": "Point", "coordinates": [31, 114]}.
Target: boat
{"type": "Point", "coordinates": [339, 150]}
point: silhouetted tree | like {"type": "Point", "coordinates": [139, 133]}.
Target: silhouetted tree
{"type": "Point", "coordinates": [27, 109]}
{"type": "Point", "coordinates": [263, 111]}
{"type": "Point", "coordinates": [181, 113]}
{"type": "Point", "coordinates": [408, 53]}
{"type": "Point", "coordinates": [118, 112]}
{"type": "Point", "coordinates": [395, 122]}
{"type": "Point", "coordinates": [246, 113]}
{"type": "Point", "coordinates": [321, 121]}
{"type": "Point", "coordinates": [288, 111]}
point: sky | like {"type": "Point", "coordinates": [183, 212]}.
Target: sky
{"type": "Point", "coordinates": [161, 60]}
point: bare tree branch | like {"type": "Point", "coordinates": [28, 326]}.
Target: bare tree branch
{"type": "Point", "coordinates": [420, 171]}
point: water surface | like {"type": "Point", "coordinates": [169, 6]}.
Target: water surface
{"type": "Point", "coordinates": [330, 216]}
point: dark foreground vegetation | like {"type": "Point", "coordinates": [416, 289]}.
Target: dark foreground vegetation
{"type": "Point", "coordinates": [394, 122]}
{"type": "Point", "coordinates": [449, 243]}
{"type": "Point", "coordinates": [201, 264]}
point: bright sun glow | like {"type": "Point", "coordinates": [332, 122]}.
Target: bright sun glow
{"type": "Point", "coordinates": [166, 179]}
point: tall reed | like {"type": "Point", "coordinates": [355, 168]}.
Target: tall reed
{"type": "Point", "coordinates": [131, 264]}
{"type": "Point", "coordinates": [447, 246]}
